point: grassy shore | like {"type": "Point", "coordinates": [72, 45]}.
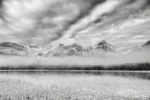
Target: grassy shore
{"type": "Point", "coordinates": [18, 90]}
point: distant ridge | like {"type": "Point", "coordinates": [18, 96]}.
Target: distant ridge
{"type": "Point", "coordinates": [143, 47]}
{"type": "Point", "coordinates": [147, 44]}
{"type": "Point", "coordinates": [9, 48]}
{"type": "Point", "coordinates": [12, 45]}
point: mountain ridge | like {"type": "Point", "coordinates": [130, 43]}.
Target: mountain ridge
{"type": "Point", "coordinates": [9, 48]}
{"type": "Point", "coordinates": [102, 47]}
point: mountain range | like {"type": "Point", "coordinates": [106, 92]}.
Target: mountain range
{"type": "Point", "coordinates": [78, 50]}
{"type": "Point", "coordinates": [8, 48]}
{"type": "Point", "coordinates": [144, 47]}
{"type": "Point", "coordinates": [102, 47]}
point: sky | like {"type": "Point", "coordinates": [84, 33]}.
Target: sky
{"type": "Point", "coordinates": [42, 22]}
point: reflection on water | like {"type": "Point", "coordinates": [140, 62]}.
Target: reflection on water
{"type": "Point", "coordinates": [136, 74]}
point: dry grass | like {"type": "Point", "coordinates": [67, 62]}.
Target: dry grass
{"type": "Point", "coordinates": [19, 90]}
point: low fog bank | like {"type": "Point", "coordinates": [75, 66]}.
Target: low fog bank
{"type": "Point", "coordinates": [103, 60]}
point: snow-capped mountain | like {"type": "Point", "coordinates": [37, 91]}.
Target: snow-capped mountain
{"type": "Point", "coordinates": [103, 45]}
{"type": "Point", "coordinates": [74, 49]}
{"type": "Point", "coordinates": [147, 44]}
{"type": "Point", "coordinates": [8, 48]}
{"type": "Point", "coordinates": [144, 47]}
{"type": "Point", "coordinates": [78, 50]}
{"type": "Point", "coordinates": [62, 50]}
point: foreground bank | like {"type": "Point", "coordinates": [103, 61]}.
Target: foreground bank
{"type": "Point", "coordinates": [14, 86]}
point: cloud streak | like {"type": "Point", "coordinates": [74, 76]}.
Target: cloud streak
{"type": "Point", "coordinates": [96, 13]}
{"type": "Point", "coordinates": [37, 18]}
{"type": "Point", "coordinates": [126, 20]}
{"type": "Point", "coordinates": [51, 21]}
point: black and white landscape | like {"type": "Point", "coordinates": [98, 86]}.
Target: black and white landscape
{"type": "Point", "coordinates": [74, 49]}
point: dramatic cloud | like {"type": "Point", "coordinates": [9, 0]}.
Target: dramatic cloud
{"type": "Point", "coordinates": [42, 22]}
{"type": "Point", "coordinates": [96, 13]}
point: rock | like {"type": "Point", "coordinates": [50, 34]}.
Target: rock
{"type": "Point", "coordinates": [103, 45]}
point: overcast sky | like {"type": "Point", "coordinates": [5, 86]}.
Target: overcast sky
{"type": "Point", "coordinates": [120, 22]}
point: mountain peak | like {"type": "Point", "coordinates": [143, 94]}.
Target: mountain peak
{"type": "Point", "coordinates": [147, 43]}
{"type": "Point", "coordinates": [104, 45]}
{"type": "Point", "coordinates": [103, 42]}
